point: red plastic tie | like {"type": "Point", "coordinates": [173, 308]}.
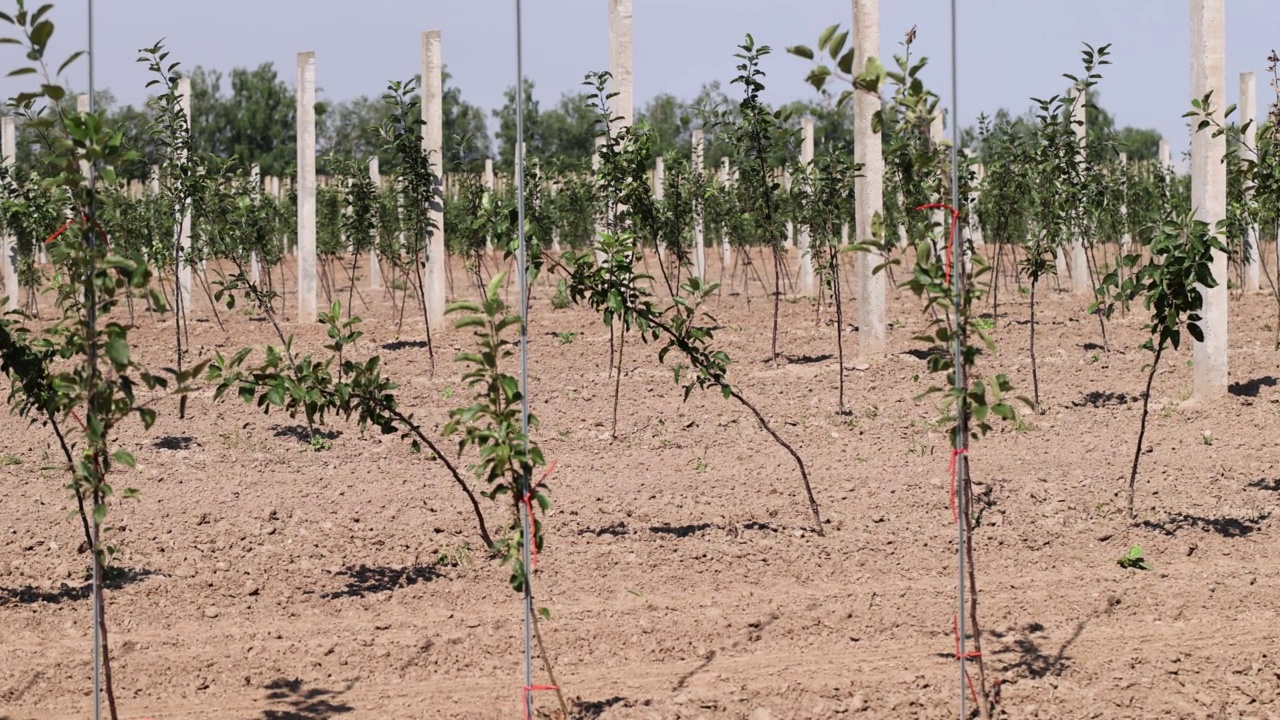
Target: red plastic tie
{"type": "Point", "coordinates": [955, 629]}
{"type": "Point", "coordinates": [68, 223]}
{"type": "Point", "coordinates": [524, 695]}
{"type": "Point", "coordinates": [533, 527]}
{"type": "Point", "coordinates": [60, 230]}
{"type": "Point", "coordinates": [951, 239]}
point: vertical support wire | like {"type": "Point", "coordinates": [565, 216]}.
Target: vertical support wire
{"type": "Point", "coordinates": [959, 257]}
{"type": "Point", "coordinates": [91, 321]}
{"type": "Point", "coordinates": [526, 519]}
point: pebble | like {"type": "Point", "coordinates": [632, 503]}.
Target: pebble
{"type": "Point", "coordinates": [212, 612]}
{"type": "Point", "coordinates": [761, 714]}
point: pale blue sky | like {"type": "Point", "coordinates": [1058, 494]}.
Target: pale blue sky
{"type": "Point", "coordinates": [1010, 50]}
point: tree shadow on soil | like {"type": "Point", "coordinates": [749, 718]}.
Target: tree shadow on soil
{"type": "Point", "coordinates": [593, 709]}
{"type": "Point", "coordinates": [617, 529]}
{"type": "Point", "coordinates": [28, 595]}
{"type": "Point", "coordinates": [1265, 484]}
{"type": "Point", "coordinates": [1102, 398]}
{"type": "Point", "coordinates": [365, 580]}
{"type": "Point", "coordinates": [1035, 661]}
{"type": "Point", "coordinates": [680, 531]}
{"type": "Point", "coordinates": [1252, 388]}
{"type": "Point", "coordinates": [917, 353]}
{"type": "Point", "coordinates": [1227, 527]}
{"type": "Point", "coordinates": [808, 359]}
{"type": "Point", "coordinates": [405, 345]}
{"type": "Point", "coordinates": [175, 442]}
{"type": "Point", "coordinates": [303, 703]}
{"type": "Point", "coordinates": [303, 434]}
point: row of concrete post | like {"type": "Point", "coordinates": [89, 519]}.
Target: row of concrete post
{"type": "Point", "coordinates": [1208, 181]}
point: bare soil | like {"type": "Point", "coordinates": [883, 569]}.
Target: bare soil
{"type": "Point", "coordinates": [270, 580]}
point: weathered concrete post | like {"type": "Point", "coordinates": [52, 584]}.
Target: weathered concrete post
{"type": "Point", "coordinates": [938, 136]}
{"type": "Point", "coordinates": [1166, 157]}
{"type": "Point", "coordinates": [699, 251]}
{"type": "Point", "coordinates": [255, 182]}
{"type": "Point", "coordinates": [8, 244]}
{"type": "Point", "coordinates": [1125, 239]}
{"type": "Point", "coordinates": [980, 174]}
{"type": "Point", "coordinates": [1249, 152]}
{"type": "Point", "coordinates": [620, 64]}
{"type": "Point", "coordinates": [375, 267]}
{"type": "Point", "coordinates": [1080, 280]}
{"type": "Point", "coordinates": [487, 179]}
{"type": "Point", "coordinates": [724, 233]}
{"type": "Point", "coordinates": [789, 241]}
{"type": "Point", "coordinates": [1209, 193]}
{"type": "Point", "coordinates": [602, 222]}
{"type": "Point", "coordinates": [306, 174]}
{"type": "Point", "coordinates": [869, 185]}
{"type": "Point", "coordinates": [808, 282]}
{"type": "Point", "coordinates": [659, 193]}
{"type": "Point", "coordinates": [434, 268]}
{"type": "Point", "coordinates": [184, 230]}
{"type": "Point", "coordinates": [82, 106]}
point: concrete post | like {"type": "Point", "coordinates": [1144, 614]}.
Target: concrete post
{"type": "Point", "coordinates": [1166, 157]}
{"type": "Point", "coordinates": [699, 251]}
{"type": "Point", "coordinates": [488, 187]}
{"type": "Point", "coordinates": [306, 173]}
{"type": "Point", "coordinates": [620, 66]}
{"type": "Point", "coordinates": [434, 267]}
{"type": "Point", "coordinates": [375, 268]}
{"type": "Point", "coordinates": [938, 136]}
{"type": "Point", "coordinates": [1080, 281]}
{"type": "Point", "coordinates": [788, 242]}
{"type": "Point", "coordinates": [155, 179]}
{"type": "Point", "coordinates": [1125, 239]}
{"type": "Point", "coordinates": [724, 234]}
{"type": "Point", "coordinates": [979, 237]}
{"type": "Point", "coordinates": [601, 220]}
{"type": "Point", "coordinates": [82, 106]}
{"type": "Point", "coordinates": [659, 194]}
{"type": "Point", "coordinates": [869, 185]}
{"type": "Point", "coordinates": [1249, 152]}
{"type": "Point", "coordinates": [1209, 192]}
{"type": "Point", "coordinates": [184, 230]}
{"type": "Point", "coordinates": [255, 181]}
{"type": "Point", "coordinates": [808, 285]}
{"type": "Point", "coordinates": [8, 244]}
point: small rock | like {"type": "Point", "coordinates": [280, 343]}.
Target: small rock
{"type": "Point", "coordinates": [857, 703]}
{"type": "Point", "coordinates": [212, 612]}
{"type": "Point", "coordinates": [251, 588]}
{"type": "Point", "coordinates": [222, 565]}
{"type": "Point", "coordinates": [761, 714]}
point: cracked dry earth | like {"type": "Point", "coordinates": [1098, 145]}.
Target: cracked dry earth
{"type": "Point", "coordinates": [268, 580]}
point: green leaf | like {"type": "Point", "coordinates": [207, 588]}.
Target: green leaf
{"type": "Point", "coordinates": [801, 51]}
{"type": "Point", "coordinates": [124, 457]}
{"type": "Point", "coordinates": [118, 351]}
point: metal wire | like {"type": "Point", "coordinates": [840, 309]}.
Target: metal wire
{"type": "Point", "coordinates": [526, 520]}
{"type": "Point", "coordinates": [962, 431]}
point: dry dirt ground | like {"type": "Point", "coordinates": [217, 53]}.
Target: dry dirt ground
{"type": "Point", "coordinates": [269, 580]}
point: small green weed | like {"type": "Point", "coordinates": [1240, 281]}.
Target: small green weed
{"type": "Point", "coordinates": [1135, 559]}
{"type": "Point", "coordinates": [561, 300]}
{"type": "Point", "coordinates": [566, 337]}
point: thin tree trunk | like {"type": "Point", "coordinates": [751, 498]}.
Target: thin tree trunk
{"type": "Point", "coordinates": [1142, 427]}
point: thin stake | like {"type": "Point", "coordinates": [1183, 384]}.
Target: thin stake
{"type": "Point", "coordinates": [962, 435]}
{"type": "Point", "coordinates": [91, 356]}
{"type": "Point", "coordinates": [526, 522]}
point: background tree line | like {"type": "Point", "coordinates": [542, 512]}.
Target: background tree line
{"type": "Point", "coordinates": [249, 114]}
